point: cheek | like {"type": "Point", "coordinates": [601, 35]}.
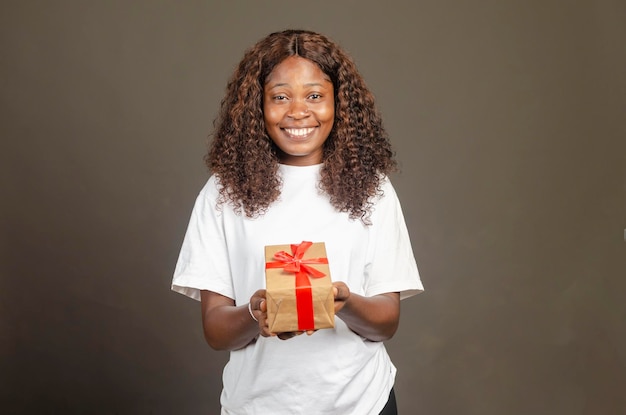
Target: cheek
{"type": "Point", "coordinates": [329, 114]}
{"type": "Point", "coordinates": [270, 116]}
{"type": "Point", "coordinates": [330, 110]}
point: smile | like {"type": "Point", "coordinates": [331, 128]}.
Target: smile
{"type": "Point", "coordinates": [299, 132]}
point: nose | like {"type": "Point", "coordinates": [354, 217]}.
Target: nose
{"type": "Point", "coordinates": [298, 110]}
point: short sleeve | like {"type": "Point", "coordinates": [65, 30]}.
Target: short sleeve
{"type": "Point", "coordinates": [391, 265]}
{"type": "Point", "coordinates": [202, 263]}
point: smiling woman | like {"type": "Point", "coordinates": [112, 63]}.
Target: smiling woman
{"type": "Point", "coordinates": [299, 110]}
{"type": "Point", "coordinates": [300, 154]}
{"type": "Point", "coordinates": [244, 155]}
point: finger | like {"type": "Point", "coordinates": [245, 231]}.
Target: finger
{"type": "Point", "coordinates": [289, 335]}
{"type": "Point", "coordinates": [263, 306]}
{"type": "Point", "coordinates": [285, 336]}
{"type": "Point", "coordinates": [339, 293]}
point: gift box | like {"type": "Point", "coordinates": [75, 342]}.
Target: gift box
{"type": "Point", "coordinates": [299, 289]}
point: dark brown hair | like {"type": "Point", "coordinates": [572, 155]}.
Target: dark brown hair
{"type": "Point", "coordinates": [357, 153]}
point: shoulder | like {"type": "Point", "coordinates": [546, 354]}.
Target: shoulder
{"type": "Point", "coordinates": [207, 199]}
{"type": "Point", "coordinates": [386, 192]}
{"type": "Point", "coordinates": [385, 205]}
{"type": "Point", "coordinates": [211, 189]}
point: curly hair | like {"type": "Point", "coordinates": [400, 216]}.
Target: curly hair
{"type": "Point", "coordinates": [356, 155]}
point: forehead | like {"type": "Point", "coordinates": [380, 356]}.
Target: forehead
{"type": "Point", "coordinates": [294, 69]}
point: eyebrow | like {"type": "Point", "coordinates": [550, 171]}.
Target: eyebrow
{"type": "Point", "coordinates": [286, 84]}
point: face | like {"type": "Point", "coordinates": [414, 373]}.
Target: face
{"type": "Point", "coordinates": [299, 110]}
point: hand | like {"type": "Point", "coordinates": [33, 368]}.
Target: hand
{"type": "Point", "coordinates": [341, 293]}
{"type": "Point", "coordinates": [258, 306]}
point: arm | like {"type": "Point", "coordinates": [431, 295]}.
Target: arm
{"type": "Point", "coordinates": [375, 318]}
{"type": "Point", "coordinates": [226, 326]}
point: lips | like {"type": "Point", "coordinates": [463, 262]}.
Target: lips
{"type": "Point", "coordinates": [299, 132]}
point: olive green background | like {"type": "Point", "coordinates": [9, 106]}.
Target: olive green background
{"type": "Point", "coordinates": [508, 121]}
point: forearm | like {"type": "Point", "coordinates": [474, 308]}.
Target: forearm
{"type": "Point", "coordinates": [226, 327]}
{"type": "Point", "coordinates": [375, 318]}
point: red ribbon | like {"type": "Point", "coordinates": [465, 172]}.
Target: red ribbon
{"type": "Point", "coordinates": [304, 295]}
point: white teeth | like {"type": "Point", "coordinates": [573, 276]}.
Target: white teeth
{"type": "Point", "coordinates": [299, 132]}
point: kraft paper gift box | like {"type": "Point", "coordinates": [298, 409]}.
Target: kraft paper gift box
{"type": "Point", "coordinates": [298, 287]}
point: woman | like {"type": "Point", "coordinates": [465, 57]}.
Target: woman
{"type": "Point", "coordinates": [299, 153]}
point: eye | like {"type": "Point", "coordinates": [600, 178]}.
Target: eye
{"type": "Point", "coordinates": [315, 96]}
{"type": "Point", "coordinates": [279, 98]}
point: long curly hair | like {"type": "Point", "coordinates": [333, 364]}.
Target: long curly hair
{"type": "Point", "coordinates": [356, 155]}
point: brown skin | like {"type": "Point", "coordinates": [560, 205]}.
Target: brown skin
{"type": "Point", "coordinates": [298, 96]}
{"type": "Point", "coordinates": [228, 327]}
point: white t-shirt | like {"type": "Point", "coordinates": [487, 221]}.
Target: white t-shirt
{"type": "Point", "coordinates": [334, 371]}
